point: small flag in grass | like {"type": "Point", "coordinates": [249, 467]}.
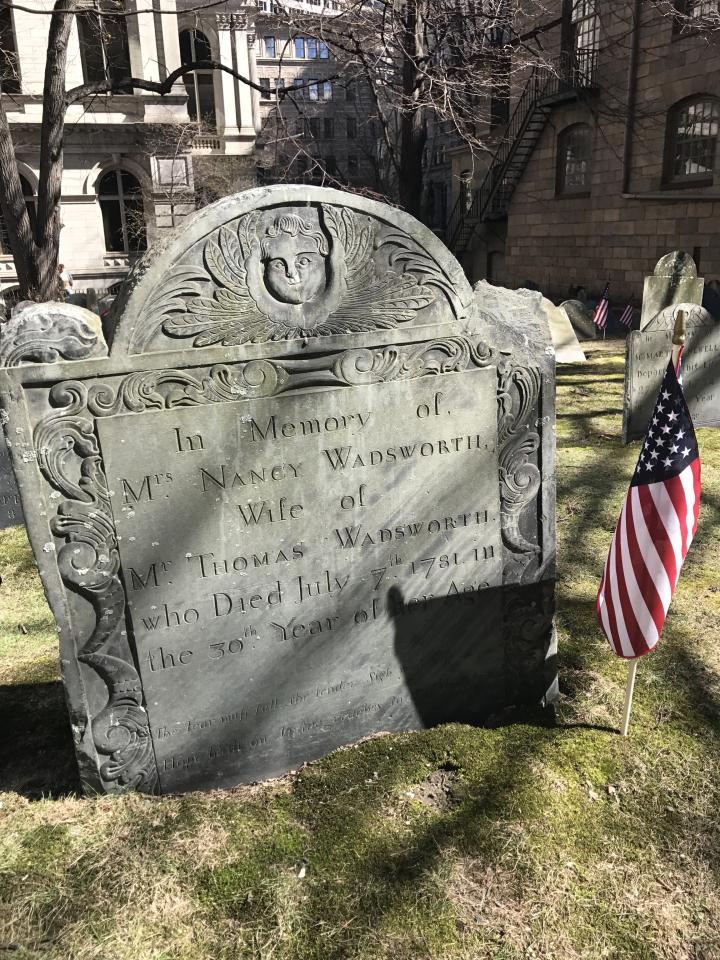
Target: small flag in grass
{"type": "Point", "coordinates": [626, 317]}
{"type": "Point", "coordinates": [600, 316]}
{"type": "Point", "coordinates": [655, 530]}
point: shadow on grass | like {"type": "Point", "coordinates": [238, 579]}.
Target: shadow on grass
{"type": "Point", "coordinates": [37, 758]}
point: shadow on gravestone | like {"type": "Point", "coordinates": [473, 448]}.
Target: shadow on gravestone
{"type": "Point", "coordinates": [10, 505]}
{"type": "Point", "coordinates": [303, 409]}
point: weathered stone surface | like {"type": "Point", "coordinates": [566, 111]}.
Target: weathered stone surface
{"type": "Point", "coordinates": [528, 310]}
{"type": "Point", "coordinates": [695, 315]}
{"type": "Point", "coordinates": [581, 319]}
{"type": "Point", "coordinates": [10, 506]}
{"type": "Point", "coordinates": [308, 496]}
{"type": "Point", "coordinates": [45, 332]}
{"type": "Point", "coordinates": [674, 281]}
{"type": "Point", "coordinates": [647, 355]}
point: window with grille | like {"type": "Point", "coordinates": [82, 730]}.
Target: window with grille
{"type": "Point", "coordinates": [692, 134]}
{"type": "Point", "coordinates": [269, 46]}
{"type": "Point", "coordinates": [585, 39]}
{"type": "Point", "coordinates": [199, 84]}
{"type": "Point", "coordinates": [121, 205]}
{"type": "Point", "coordinates": [573, 160]}
{"type": "Point", "coordinates": [103, 39]}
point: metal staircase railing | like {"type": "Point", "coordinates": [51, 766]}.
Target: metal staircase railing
{"type": "Point", "coordinates": [574, 72]}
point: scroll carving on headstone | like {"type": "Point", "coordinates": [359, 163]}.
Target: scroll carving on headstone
{"type": "Point", "coordinates": [308, 496]}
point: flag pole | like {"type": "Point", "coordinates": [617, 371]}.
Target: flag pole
{"type": "Point", "coordinates": [629, 690]}
{"type": "Point", "coordinates": [678, 340]}
{"type": "Point", "coordinates": [678, 343]}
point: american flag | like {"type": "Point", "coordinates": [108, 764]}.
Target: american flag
{"type": "Point", "coordinates": [601, 310]}
{"type": "Point", "coordinates": [655, 529]}
{"type": "Point", "coordinates": [626, 318]}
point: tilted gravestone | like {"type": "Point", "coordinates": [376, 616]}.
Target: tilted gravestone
{"type": "Point", "coordinates": [647, 355]}
{"type": "Point", "coordinates": [674, 281]}
{"type": "Point", "coordinates": [581, 318]}
{"type": "Point", "coordinates": [308, 496]}
{"type": "Point", "coordinates": [10, 506]}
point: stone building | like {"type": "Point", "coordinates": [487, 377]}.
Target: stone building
{"type": "Point", "coordinates": [609, 158]}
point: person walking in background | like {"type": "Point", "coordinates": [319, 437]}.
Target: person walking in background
{"type": "Point", "coordinates": [66, 280]}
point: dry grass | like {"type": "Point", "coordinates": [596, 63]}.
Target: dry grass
{"type": "Point", "coordinates": [557, 842]}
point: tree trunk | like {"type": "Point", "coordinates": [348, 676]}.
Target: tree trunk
{"type": "Point", "coordinates": [51, 150]}
{"type": "Point", "coordinates": [15, 212]}
{"type": "Point", "coordinates": [413, 124]}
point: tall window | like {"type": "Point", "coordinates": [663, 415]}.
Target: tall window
{"type": "Point", "coordinates": [692, 134]}
{"type": "Point", "coordinates": [103, 41]}
{"type": "Point", "coordinates": [585, 39]}
{"type": "Point", "coordinates": [9, 64]}
{"type": "Point", "coordinates": [30, 203]}
{"type": "Point", "coordinates": [269, 44]}
{"type": "Point", "coordinates": [573, 160]}
{"type": "Point", "coordinates": [121, 204]}
{"type": "Point", "coordinates": [195, 46]}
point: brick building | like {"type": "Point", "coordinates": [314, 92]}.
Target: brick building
{"type": "Point", "coordinates": [609, 159]}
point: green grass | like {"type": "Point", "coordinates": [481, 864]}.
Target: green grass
{"type": "Point", "coordinates": [559, 841]}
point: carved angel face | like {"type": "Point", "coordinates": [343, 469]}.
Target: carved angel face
{"type": "Point", "coordinates": [294, 268]}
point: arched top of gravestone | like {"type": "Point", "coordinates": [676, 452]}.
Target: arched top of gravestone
{"type": "Point", "coordinates": [285, 264]}
{"type": "Point", "coordinates": [677, 264]}
{"type": "Point", "coordinates": [695, 316]}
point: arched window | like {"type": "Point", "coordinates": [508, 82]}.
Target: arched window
{"type": "Point", "coordinates": [195, 46]}
{"type": "Point", "coordinates": [691, 143]}
{"type": "Point", "coordinates": [9, 64]}
{"type": "Point", "coordinates": [103, 41]}
{"type": "Point", "coordinates": [30, 203]}
{"type": "Point", "coordinates": [574, 148]}
{"type": "Point", "coordinates": [121, 204]}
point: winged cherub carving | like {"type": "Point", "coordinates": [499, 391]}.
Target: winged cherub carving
{"type": "Point", "coordinates": [301, 272]}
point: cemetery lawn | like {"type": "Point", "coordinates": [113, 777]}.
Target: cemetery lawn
{"type": "Point", "coordinates": [547, 838]}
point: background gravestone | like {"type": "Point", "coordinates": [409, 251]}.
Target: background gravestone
{"type": "Point", "coordinates": [647, 356]}
{"type": "Point", "coordinates": [10, 506]}
{"type": "Point", "coordinates": [580, 317]}
{"type": "Point", "coordinates": [674, 281]}
{"type": "Point", "coordinates": [695, 315]}
{"type": "Point", "coordinates": [308, 496]}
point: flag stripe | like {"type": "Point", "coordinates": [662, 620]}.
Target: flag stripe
{"type": "Point", "coordinates": [649, 572]}
{"type": "Point", "coordinates": [647, 633]}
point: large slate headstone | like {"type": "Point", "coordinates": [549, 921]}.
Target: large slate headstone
{"type": "Point", "coordinates": [10, 506]}
{"type": "Point", "coordinates": [308, 496]}
{"type": "Point", "coordinates": [674, 281]}
{"type": "Point", "coordinates": [647, 356]}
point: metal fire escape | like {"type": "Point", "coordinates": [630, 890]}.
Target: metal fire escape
{"type": "Point", "coordinates": [543, 91]}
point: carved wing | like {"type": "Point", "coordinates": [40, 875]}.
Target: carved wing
{"type": "Point", "coordinates": [231, 315]}
{"type": "Point", "coordinates": [371, 301]}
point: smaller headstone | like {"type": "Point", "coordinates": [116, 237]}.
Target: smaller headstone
{"type": "Point", "coordinates": [564, 338]}
{"type": "Point", "coordinates": [647, 355]}
{"type": "Point", "coordinates": [674, 281]}
{"type": "Point", "coordinates": [10, 507]}
{"type": "Point", "coordinates": [580, 317]}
